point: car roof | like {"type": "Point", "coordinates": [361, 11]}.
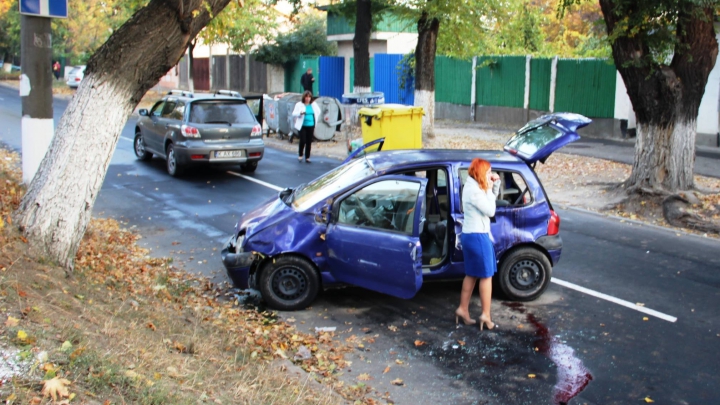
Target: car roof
{"type": "Point", "coordinates": [385, 160]}
{"type": "Point", "coordinates": [189, 96]}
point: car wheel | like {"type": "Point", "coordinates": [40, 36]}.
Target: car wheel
{"type": "Point", "coordinates": [249, 167]}
{"type": "Point", "coordinates": [140, 150]}
{"type": "Point", "coordinates": [173, 168]}
{"type": "Point", "coordinates": [524, 274]}
{"type": "Point", "coordinates": [289, 283]}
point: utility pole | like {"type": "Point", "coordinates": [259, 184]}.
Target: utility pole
{"type": "Point", "coordinates": [38, 127]}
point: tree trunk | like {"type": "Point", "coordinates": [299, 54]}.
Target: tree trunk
{"type": "Point", "coordinates": [191, 62]}
{"type": "Point", "coordinates": [361, 46]}
{"type": "Point", "coordinates": [425, 71]}
{"type": "Point", "coordinates": [666, 98]}
{"type": "Point", "coordinates": [55, 212]}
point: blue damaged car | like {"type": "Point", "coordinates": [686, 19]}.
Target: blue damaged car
{"type": "Point", "coordinates": [390, 220]}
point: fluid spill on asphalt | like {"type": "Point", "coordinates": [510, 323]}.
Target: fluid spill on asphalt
{"type": "Point", "coordinates": [572, 375]}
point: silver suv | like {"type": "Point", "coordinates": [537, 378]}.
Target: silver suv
{"type": "Point", "coordinates": [187, 129]}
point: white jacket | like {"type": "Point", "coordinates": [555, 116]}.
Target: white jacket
{"type": "Point", "coordinates": [299, 109]}
{"type": "Point", "coordinates": [478, 206]}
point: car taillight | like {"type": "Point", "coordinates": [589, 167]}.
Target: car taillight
{"type": "Point", "coordinates": [256, 132]}
{"type": "Point", "coordinates": [553, 224]}
{"type": "Point", "coordinates": [190, 132]}
{"type": "Point", "coordinates": [77, 79]}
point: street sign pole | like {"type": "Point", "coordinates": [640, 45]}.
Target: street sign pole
{"type": "Point", "coordinates": [36, 92]}
{"type": "Point", "coordinates": [36, 79]}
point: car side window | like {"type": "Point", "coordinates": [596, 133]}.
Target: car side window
{"type": "Point", "coordinates": [169, 108]}
{"type": "Point", "coordinates": [157, 108]}
{"type": "Point", "coordinates": [387, 205]}
{"type": "Point", "coordinates": [178, 112]}
{"type": "Point", "coordinates": [513, 188]}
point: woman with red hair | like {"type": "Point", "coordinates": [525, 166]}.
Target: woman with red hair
{"type": "Point", "coordinates": [478, 200]}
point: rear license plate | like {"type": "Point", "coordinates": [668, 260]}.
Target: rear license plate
{"type": "Point", "coordinates": [229, 153]}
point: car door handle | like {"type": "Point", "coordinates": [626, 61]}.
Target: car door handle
{"type": "Point", "coordinates": [413, 253]}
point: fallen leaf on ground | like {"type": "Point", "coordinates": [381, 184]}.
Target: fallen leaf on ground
{"type": "Point", "coordinates": [531, 375]}
{"type": "Point", "coordinates": [11, 322]}
{"type": "Point", "coordinates": [419, 343]}
{"type": "Point", "coordinates": [386, 369]}
{"type": "Point", "coordinates": [397, 381]}
{"type": "Point", "coordinates": [364, 377]}
{"type": "Point", "coordinates": [648, 400]}
{"type": "Point", "coordinates": [645, 318]}
{"type": "Point", "coordinates": [56, 387]}
{"type": "Point", "coordinates": [393, 328]}
{"type": "Point", "coordinates": [398, 361]}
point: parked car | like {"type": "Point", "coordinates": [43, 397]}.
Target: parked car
{"type": "Point", "coordinates": [187, 129]}
{"type": "Point", "coordinates": [75, 76]}
{"type": "Point", "coordinates": [389, 221]}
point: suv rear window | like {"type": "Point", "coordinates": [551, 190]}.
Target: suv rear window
{"type": "Point", "coordinates": [220, 112]}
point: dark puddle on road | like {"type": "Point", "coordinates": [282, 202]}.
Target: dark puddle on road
{"type": "Point", "coordinates": [572, 375]}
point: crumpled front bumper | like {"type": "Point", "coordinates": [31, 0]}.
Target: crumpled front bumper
{"type": "Point", "coordinates": [237, 265]}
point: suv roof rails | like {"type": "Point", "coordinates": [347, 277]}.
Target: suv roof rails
{"type": "Point", "coordinates": [228, 93]}
{"type": "Point", "coordinates": [183, 93]}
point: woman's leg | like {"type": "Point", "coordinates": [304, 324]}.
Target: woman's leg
{"type": "Point", "coordinates": [467, 288]}
{"type": "Point", "coordinates": [308, 140]}
{"type": "Point", "coordinates": [485, 288]}
{"type": "Point", "coordinates": [301, 143]}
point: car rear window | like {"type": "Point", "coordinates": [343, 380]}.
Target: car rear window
{"type": "Point", "coordinates": [220, 112]}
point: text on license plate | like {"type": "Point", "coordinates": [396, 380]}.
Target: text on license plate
{"type": "Point", "coordinates": [228, 153]}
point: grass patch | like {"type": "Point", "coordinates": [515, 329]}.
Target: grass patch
{"type": "Point", "coordinates": [127, 328]}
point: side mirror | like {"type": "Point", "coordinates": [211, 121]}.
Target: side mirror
{"type": "Point", "coordinates": [143, 112]}
{"type": "Point", "coordinates": [322, 214]}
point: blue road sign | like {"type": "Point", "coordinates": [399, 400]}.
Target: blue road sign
{"type": "Point", "coordinates": [45, 8]}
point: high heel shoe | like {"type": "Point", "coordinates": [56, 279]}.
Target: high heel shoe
{"type": "Point", "coordinates": [487, 322]}
{"type": "Point", "coordinates": [467, 321]}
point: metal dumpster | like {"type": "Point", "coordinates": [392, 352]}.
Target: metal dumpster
{"type": "Point", "coordinates": [271, 113]}
{"type": "Point", "coordinates": [286, 104]}
{"type": "Point", "coordinates": [331, 115]}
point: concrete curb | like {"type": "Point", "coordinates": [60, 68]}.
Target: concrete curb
{"type": "Point", "coordinates": [639, 223]}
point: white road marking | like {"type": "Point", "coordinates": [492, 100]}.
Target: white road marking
{"type": "Point", "coordinates": [126, 139]}
{"type": "Point", "coordinates": [254, 180]}
{"type": "Point", "coordinates": [614, 300]}
{"type": "Point", "coordinates": [566, 284]}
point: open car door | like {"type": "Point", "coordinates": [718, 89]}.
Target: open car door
{"type": "Point", "coordinates": [372, 146]}
{"type": "Point", "coordinates": [373, 238]}
{"type": "Point", "coordinates": [539, 138]}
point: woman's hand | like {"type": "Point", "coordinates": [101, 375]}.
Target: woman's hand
{"type": "Point", "coordinates": [494, 177]}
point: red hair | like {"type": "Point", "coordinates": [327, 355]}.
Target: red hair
{"type": "Point", "coordinates": [478, 170]}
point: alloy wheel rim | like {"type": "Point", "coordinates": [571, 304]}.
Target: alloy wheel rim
{"type": "Point", "coordinates": [139, 148]}
{"type": "Point", "coordinates": [171, 160]}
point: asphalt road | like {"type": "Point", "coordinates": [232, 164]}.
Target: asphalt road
{"type": "Point", "coordinates": [580, 346]}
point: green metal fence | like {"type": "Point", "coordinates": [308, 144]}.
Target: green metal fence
{"type": "Point", "coordinates": [586, 87]}
{"type": "Point", "coordinates": [339, 25]}
{"type": "Point", "coordinates": [540, 84]}
{"type": "Point", "coordinates": [453, 80]}
{"type": "Point", "coordinates": [295, 70]}
{"type": "Point", "coordinates": [500, 81]}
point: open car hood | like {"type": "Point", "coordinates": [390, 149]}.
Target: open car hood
{"type": "Point", "coordinates": [539, 138]}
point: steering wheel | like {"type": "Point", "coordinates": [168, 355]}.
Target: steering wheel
{"type": "Point", "coordinates": [365, 212]}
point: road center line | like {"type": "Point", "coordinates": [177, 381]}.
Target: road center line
{"type": "Point", "coordinates": [614, 300]}
{"type": "Point", "coordinates": [254, 180]}
{"type": "Point", "coordinates": [126, 139]}
{"type": "Point", "coordinates": [566, 284]}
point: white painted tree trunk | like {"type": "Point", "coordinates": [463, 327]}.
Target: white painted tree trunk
{"type": "Point", "coordinates": [59, 201]}
{"type": "Point", "coordinates": [426, 100]}
{"type": "Point", "coordinates": [361, 89]}
{"type": "Point", "coordinates": [665, 156]}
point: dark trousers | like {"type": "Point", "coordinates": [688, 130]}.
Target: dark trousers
{"type": "Point", "coordinates": [306, 136]}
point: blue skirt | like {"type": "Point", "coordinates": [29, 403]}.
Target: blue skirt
{"type": "Point", "coordinates": [479, 255]}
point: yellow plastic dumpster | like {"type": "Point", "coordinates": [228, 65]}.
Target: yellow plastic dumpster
{"type": "Point", "coordinates": [400, 125]}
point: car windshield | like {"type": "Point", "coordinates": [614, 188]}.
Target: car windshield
{"type": "Point", "coordinates": [220, 112]}
{"type": "Point", "coordinates": [327, 185]}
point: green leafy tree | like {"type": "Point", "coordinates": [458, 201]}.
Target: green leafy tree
{"type": "Point", "coordinates": [9, 30]}
{"type": "Point", "coordinates": [308, 38]}
{"type": "Point", "coordinates": [664, 51]}
{"type": "Point", "coordinates": [241, 27]}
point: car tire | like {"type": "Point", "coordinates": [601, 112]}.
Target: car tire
{"type": "Point", "coordinates": [289, 283]}
{"type": "Point", "coordinates": [524, 274]}
{"type": "Point", "coordinates": [173, 167]}
{"type": "Point", "coordinates": [140, 151]}
{"type": "Point", "coordinates": [249, 167]}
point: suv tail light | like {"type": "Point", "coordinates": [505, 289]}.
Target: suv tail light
{"type": "Point", "coordinates": [190, 132]}
{"type": "Point", "coordinates": [553, 224]}
{"type": "Point", "coordinates": [256, 132]}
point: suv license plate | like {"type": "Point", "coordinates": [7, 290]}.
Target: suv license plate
{"type": "Point", "coordinates": [228, 153]}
